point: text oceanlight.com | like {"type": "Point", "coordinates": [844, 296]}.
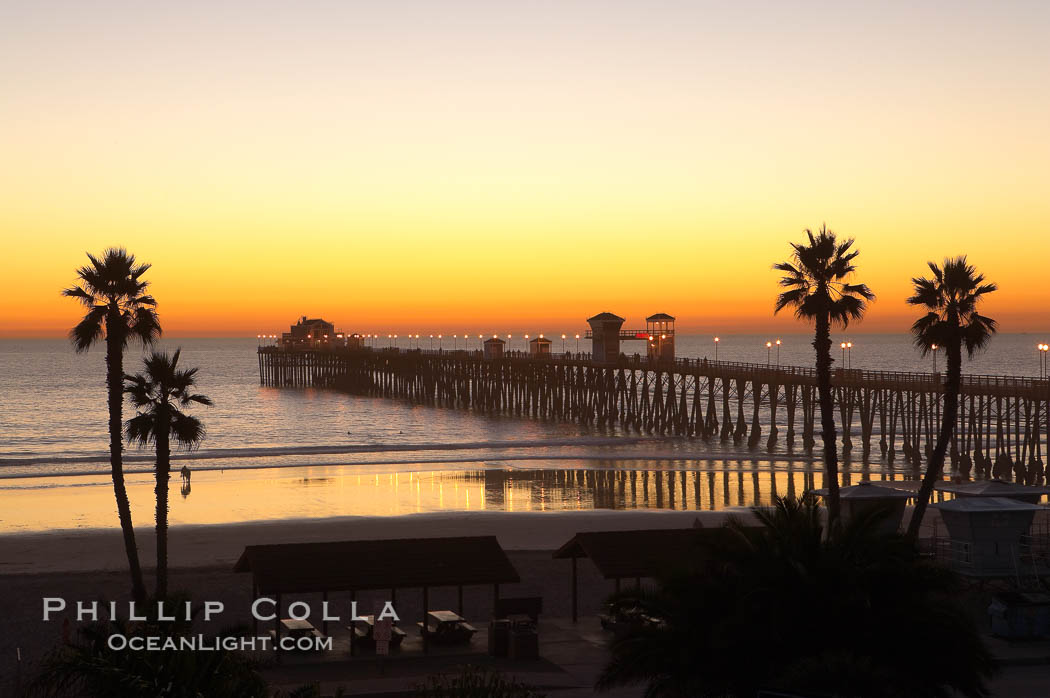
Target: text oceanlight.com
{"type": "Point", "coordinates": [200, 643]}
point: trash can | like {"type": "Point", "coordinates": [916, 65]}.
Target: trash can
{"type": "Point", "coordinates": [499, 637]}
{"type": "Point", "coordinates": [524, 640]}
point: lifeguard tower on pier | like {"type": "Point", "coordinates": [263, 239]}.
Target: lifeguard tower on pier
{"type": "Point", "coordinates": [606, 333]}
{"type": "Point", "coordinates": [661, 337]}
{"type": "Point", "coordinates": [605, 337]}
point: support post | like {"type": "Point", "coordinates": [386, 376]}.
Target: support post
{"type": "Point", "coordinates": [426, 605]}
{"type": "Point", "coordinates": [575, 598]}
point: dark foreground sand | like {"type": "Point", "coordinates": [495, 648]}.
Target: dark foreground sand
{"type": "Point", "coordinates": [90, 565]}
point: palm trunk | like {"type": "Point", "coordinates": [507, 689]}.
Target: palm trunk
{"type": "Point", "coordinates": [822, 345]}
{"type": "Point", "coordinates": [115, 386]}
{"type": "Point", "coordinates": [935, 467]}
{"type": "Point", "coordinates": [163, 474]}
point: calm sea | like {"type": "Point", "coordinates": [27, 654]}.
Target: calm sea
{"type": "Point", "coordinates": [334, 454]}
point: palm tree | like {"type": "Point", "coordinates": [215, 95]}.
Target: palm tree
{"type": "Point", "coordinates": [118, 310]}
{"type": "Point", "coordinates": [816, 282]}
{"type": "Point", "coordinates": [160, 394]}
{"type": "Point", "coordinates": [951, 322]}
{"type": "Point", "coordinates": [785, 608]}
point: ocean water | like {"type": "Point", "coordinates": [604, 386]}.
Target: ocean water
{"type": "Point", "coordinates": [53, 440]}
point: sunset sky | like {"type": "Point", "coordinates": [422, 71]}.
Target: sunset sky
{"type": "Point", "coordinates": [484, 166]}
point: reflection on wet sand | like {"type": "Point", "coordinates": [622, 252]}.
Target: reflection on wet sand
{"type": "Point", "coordinates": [329, 491]}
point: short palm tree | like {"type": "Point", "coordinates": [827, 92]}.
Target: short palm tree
{"type": "Point", "coordinates": [951, 322]}
{"type": "Point", "coordinates": [118, 311]}
{"type": "Point", "coordinates": [784, 608]}
{"type": "Point", "coordinates": [816, 282]}
{"type": "Point", "coordinates": [160, 394]}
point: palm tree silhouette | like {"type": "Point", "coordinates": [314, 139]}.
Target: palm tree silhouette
{"type": "Point", "coordinates": [951, 322]}
{"type": "Point", "coordinates": [118, 310]}
{"type": "Point", "coordinates": [816, 282]}
{"type": "Point", "coordinates": [160, 394]}
{"type": "Point", "coordinates": [737, 617]}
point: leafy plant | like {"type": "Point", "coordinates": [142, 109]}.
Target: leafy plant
{"type": "Point", "coordinates": [475, 682]}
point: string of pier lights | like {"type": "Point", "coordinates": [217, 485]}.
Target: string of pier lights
{"type": "Point", "coordinates": [392, 338]}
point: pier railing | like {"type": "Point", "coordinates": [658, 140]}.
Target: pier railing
{"type": "Point", "coordinates": [840, 376]}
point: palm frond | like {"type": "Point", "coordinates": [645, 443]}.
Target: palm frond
{"type": "Point", "coordinates": [89, 330]}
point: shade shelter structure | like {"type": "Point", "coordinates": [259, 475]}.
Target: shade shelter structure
{"type": "Point", "coordinates": [646, 553]}
{"type": "Point", "coordinates": [987, 533]}
{"type": "Point", "coordinates": [995, 488]}
{"type": "Point", "coordinates": [364, 565]}
{"type": "Point", "coordinates": [867, 496]}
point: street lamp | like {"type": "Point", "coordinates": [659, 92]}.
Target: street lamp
{"type": "Point", "coordinates": [717, 340]}
{"type": "Point", "coordinates": [769, 345]}
{"type": "Point", "coordinates": [843, 347]}
{"type": "Point", "coordinates": [934, 348]}
{"type": "Point", "coordinates": [563, 343]}
{"type": "Point", "coordinates": [778, 352]}
{"type": "Point", "coordinates": [849, 354]}
{"type": "Point", "coordinates": [577, 343]}
{"type": "Point", "coordinates": [1043, 349]}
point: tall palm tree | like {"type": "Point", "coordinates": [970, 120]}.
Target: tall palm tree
{"type": "Point", "coordinates": [118, 311]}
{"type": "Point", "coordinates": [951, 322]}
{"type": "Point", "coordinates": [816, 278]}
{"type": "Point", "coordinates": [160, 393]}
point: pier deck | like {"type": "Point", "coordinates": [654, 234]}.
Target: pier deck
{"type": "Point", "coordinates": [1003, 420]}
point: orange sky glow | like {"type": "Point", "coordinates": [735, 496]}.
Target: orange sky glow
{"type": "Point", "coordinates": [513, 168]}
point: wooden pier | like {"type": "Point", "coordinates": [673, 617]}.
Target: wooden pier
{"type": "Point", "coordinates": [1002, 429]}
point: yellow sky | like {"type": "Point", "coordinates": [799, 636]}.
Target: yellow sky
{"type": "Point", "coordinates": [490, 167]}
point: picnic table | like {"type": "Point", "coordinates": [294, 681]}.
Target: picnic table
{"type": "Point", "coordinates": [296, 628]}
{"type": "Point", "coordinates": [447, 627]}
{"type": "Point", "coordinates": [363, 629]}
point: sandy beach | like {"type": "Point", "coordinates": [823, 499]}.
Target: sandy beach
{"type": "Point", "coordinates": [216, 545]}
{"type": "Point", "coordinates": [90, 564]}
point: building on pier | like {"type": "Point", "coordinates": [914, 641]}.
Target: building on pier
{"type": "Point", "coordinates": [539, 346]}
{"type": "Point", "coordinates": [661, 337]}
{"type": "Point", "coordinates": [318, 333]}
{"type": "Point", "coordinates": [605, 337]}
{"type": "Point", "coordinates": [607, 332]}
{"type": "Point", "coordinates": [494, 347]}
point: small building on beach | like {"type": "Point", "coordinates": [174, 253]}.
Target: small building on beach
{"type": "Point", "coordinates": [866, 496]}
{"type": "Point", "coordinates": [995, 488]}
{"type": "Point", "coordinates": [989, 535]}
